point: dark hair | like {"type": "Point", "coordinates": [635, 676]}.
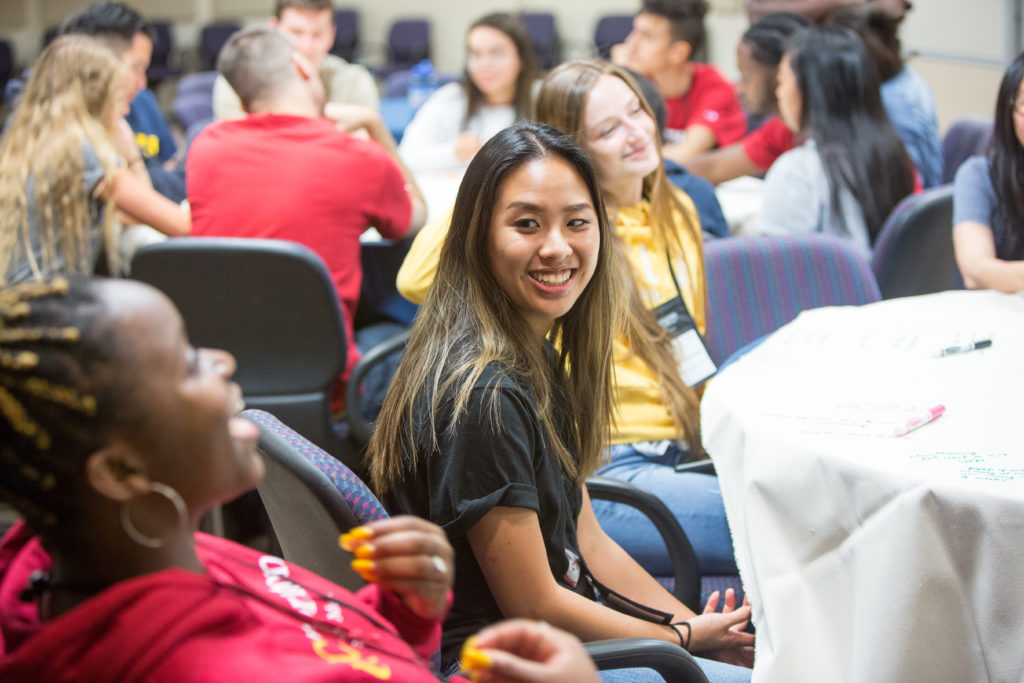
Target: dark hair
{"type": "Point", "coordinates": [310, 5]}
{"type": "Point", "coordinates": [767, 37]}
{"type": "Point", "coordinates": [106, 20]}
{"type": "Point", "coordinates": [842, 112]}
{"type": "Point", "coordinates": [59, 393]}
{"type": "Point", "coordinates": [879, 29]}
{"type": "Point", "coordinates": [467, 322]}
{"type": "Point", "coordinates": [512, 26]}
{"type": "Point", "coordinates": [1007, 163]}
{"type": "Point", "coordinates": [685, 18]}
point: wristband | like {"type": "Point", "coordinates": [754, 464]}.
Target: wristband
{"type": "Point", "coordinates": [683, 643]}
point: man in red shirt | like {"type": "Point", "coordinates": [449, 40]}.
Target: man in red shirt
{"type": "Point", "coordinates": [284, 172]}
{"type": "Point", "coordinates": [703, 112]}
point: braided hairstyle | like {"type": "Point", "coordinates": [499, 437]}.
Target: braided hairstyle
{"type": "Point", "coordinates": [57, 392]}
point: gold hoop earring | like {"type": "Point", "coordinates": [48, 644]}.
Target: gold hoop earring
{"type": "Point", "coordinates": [133, 532]}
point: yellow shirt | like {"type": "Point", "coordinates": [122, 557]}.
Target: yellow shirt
{"type": "Point", "coordinates": [642, 415]}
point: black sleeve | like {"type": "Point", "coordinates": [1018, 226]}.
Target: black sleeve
{"type": "Point", "coordinates": [487, 460]}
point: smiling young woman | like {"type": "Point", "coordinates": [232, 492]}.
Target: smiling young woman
{"type": "Point", "coordinates": [491, 431]}
{"type": "Point", "coordinates": [116, 436]}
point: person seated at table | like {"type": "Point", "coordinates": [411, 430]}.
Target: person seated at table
{"type": "Point", "coordinates": [118, 436]}
{"type": "Point", "coordinates": [660, 246]}
{"type": "Point", "coordinates": [491, 432]}
{"type": "Point", "coordinates": [126, 32]}
{"type": "Point", "coordinates": [496, 90]}
{"type": "Point", "coordinates": [309, 24]}
{"type": "Point", "coordinates": [757, 58]}
{"type": "Point", "coordinates": [286, 173]}
{"type": "Point", "coordinates": [852, 170]}
{"type": "Point", "coordinates": [988, 197]}
{"type": "Point", "coordinates": [68, 163]}
{"type": "Point", "coordinates": [907, 98]}
{"type": "Point", "coordinates": [703, 112]}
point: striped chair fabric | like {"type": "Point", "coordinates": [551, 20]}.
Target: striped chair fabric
{"type": "Point", "coordinates": [757, 284]}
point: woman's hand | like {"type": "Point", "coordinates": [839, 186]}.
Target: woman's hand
{"type": "Point", "coordinates": [407, 555]}
{"type": "Point", "coordinates": [528, 652]}
{"type": "Point", "coordinates": [720, 635]}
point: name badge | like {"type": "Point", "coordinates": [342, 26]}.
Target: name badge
{"type": "Point", "coordinates": [697, 366]}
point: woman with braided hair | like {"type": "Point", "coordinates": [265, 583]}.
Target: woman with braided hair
{"type": "Point", "coordinates": [66, 164]}
{"type": "Point", "coordinates": [116, 436]}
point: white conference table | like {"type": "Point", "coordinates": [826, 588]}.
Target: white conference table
{"type": "Point", "coordinates": [871, 557]}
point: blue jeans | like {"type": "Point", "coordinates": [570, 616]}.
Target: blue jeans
{"type": "Point", "coordinates": [693, 498]}
{"type": "Point", "coordinates": [717, 672]}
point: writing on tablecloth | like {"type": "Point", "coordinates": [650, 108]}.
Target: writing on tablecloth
{"type": "Point", "coordinates": [976, 466]}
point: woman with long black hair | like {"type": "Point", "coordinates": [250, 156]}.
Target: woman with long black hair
{"type": "Point", "coordinates": [988, 199]}
{"type": "Point", "coordinates": [851, 170]}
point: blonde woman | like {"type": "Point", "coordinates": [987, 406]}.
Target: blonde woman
{"type": "Point", "coordinates": [657, 414]}
{"type": "Point", "coordinates": [61, 176]}
{"type": "Point", "coordinates": [490, 432]}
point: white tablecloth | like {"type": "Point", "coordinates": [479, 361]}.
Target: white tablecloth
{"type": "Point", "coordinates": [870, 557]}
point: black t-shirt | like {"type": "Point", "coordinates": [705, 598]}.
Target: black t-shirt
{"type": "Point", "coordinates": [480, 465]}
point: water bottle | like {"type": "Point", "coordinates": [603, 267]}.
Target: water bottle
{"type": "Point", "coordinates": [422, 82]}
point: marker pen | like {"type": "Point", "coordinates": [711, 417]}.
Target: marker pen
{"type": "Point", "coordinates": [963, 348]}
{"type": "Point", "coordinates": [918, 420]}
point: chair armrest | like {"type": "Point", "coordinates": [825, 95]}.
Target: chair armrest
{"type": "Point", "coordinates": [672, 662]}
{"type": "Point", "coordinates": [361, 428]}
{"type": "Point", "coordinates": [698, 466]}
{"type": "Point", "coordinates": [684, 559]}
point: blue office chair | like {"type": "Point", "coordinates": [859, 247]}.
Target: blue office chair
{"type": "Point", "coordinates": [547, 45]}
{"type": "Point", "coordinates": [611, 30]}
{"type": "Point", "coordinates": [346, 36]}
{"type": "Point", "coordinates": [212, 38]}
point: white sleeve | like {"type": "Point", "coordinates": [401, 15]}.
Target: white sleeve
{"type": "Point", "coordinates": [429, 140]}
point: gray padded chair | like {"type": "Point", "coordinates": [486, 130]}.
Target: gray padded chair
{"type": "Point", "coordinates": [914, 250]}
{"type": "Point", "coordinates": [273, 305]}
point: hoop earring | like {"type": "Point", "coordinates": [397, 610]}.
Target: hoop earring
{"type": "Point", "coordinates": [133, 532]}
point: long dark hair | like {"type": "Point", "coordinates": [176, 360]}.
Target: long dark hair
{"type": "Point", "coordinates": [512, 27]}
{"type": "Point", "coordinates": [842, 112]}
{"type": "Point", "coordinates": [1007, 166]}
{"type": "Point", "coordinates": [467, 322]}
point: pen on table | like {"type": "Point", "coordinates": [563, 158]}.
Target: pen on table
{"type": "Point", "coordinates": [963, 348]}
{"type": "Point", "coordinates": [915, 421]}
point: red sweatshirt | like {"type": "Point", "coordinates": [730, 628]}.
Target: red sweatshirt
{"type": "Point", "coordinates": [252, 618]}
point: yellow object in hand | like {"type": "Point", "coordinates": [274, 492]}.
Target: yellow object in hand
{"type": "Point", "coordinates": [365, 569]}
{"type": "Point", "coordinates": [471, 659]}
{"type": "Point", "coordinates": [355, 536]}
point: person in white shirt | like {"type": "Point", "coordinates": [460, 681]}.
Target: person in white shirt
{"type": "Point", "coordinates": [496, 90]}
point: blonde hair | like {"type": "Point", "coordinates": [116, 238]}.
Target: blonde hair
{"type": "Point", "coordinates": [70, 102]}
{"type": "Point", "coordinates": [561, 102]}
{"type": "Point", "coordinates": [467, 323]}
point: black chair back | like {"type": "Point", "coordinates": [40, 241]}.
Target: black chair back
{"type": "Point", "coordinates": [914, 250]}
{"type": "Point", "coordinates": [273, 305]}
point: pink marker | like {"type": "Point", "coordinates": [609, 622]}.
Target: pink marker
{"type": "Point", "coordinates": [916, 421]}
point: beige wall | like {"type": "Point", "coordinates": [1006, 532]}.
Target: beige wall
{"type": "Point", "coordinates": [961, 46]}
